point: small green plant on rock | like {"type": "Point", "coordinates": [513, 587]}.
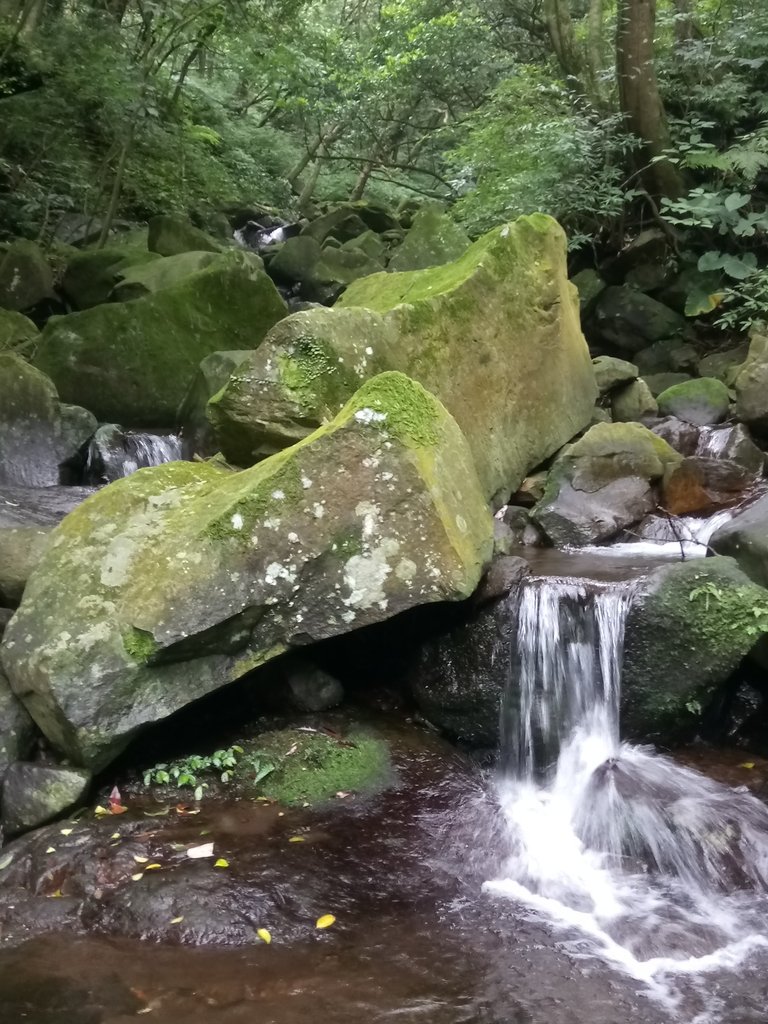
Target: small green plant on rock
{"type": "Point", "coordinates": [186, 771]}
{"type": "Point", "coordinates": [748, 615]}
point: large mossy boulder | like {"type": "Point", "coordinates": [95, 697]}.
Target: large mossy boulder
{"type": "Point", "coordinates": [434, 238]}
{"type": "Point", "coordinates": [134, 282]}
{"type": "Point", "coordinates": [689, 626]}
{"type": "Point", "coordinates": [495, 336]}
{"type": "Point", "coordinates": [631, 320]}
{"type": "Point", "coordinates": [171, 234]}
{"type": "Point", "coordinates": [90, 276]}
{"type": "Point", "coordinates": [702, 401]}
{"type": "Point", "coordinates": [321, 272]}
{"type": "Point", "coordinates": [182, 578]}
{"type": "Point", "coordinates": [37, 433]}
{"type": "Point", "coordinates": [751, 385]}
{"type": "Point", "coordinates": [133, 362]}
{"type": "Point", "coordinates": [602, 483]}
{"type": "Point", "coordinates": [25, 277]}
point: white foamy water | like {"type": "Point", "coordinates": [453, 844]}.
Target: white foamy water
{"type": "Point", "coordinates": [632, 858]}
{"type": "Point", "coordinates": [123, 454]}
{"type": "Point", "coordinates": [668, 537]}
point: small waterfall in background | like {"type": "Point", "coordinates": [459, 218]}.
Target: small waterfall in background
{"type": "Point", "coordinates": [113, 453]}
{"type": "Point", "coordinates": [631, 857]}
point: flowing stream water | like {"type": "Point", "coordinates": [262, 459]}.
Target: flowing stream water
{"type": "Point", "coordinates": [632, 858]}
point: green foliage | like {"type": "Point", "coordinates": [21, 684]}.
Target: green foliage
{"type": "Point", "coordinates": [750, 617]}
{"type": "Point", "coordinates": [186, 772]}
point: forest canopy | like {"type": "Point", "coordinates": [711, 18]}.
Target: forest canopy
{"type": "Point", "coordinates": [609, 114]}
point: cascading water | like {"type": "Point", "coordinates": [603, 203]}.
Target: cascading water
{"type": "Point", "coordinates": [114, 454]}
{"type": "Point", "coordinates": [633, 858]}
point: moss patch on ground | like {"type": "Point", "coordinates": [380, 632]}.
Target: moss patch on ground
{"type": "Point", "coordinates": [311, 767]}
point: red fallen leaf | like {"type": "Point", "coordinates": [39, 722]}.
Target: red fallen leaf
{"type": "Point", "coordinates": [116, 802]}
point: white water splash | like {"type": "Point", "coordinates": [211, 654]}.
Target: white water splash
{"type": "Point", "coordinates": [668, 537]}
{"type": "Point", "coordinates": [647, 865]}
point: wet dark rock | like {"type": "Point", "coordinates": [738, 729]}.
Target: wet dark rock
{"type": "Point", "coordinates": [669, 355]}
{"type": "Point", "coordinates": [735, 444]}
{"type": "Point", "coordinates": [170, 235]}
{"type": "Point", "coordinates": [91, 275]}
{"type": "Point", "coordinates": [699, 485]}
{"type": "Point", "coordinates": [34, 794]}
{"type": "Point", "coordinates": [724, 365]}
{"type": "Point", "coordinates": [690, 625]}
{"type": "Point", "coordinates": [39, 506]}
{"type": "Point", "coordinates": [631, 320]}
{"type": "Point", "coordinates": [309, 687]}
{"type": "Point", "coordinates": [460, 675]}
{"type": "Point", "coordinates": [589, 285]}
{"type": "Point", "coordinates": [505, 574]}
{"type": "Point", "coordinates": [5, 617]}
{"type": "Point", "coordinates": [680, 435]}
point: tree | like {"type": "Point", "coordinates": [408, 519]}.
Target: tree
{"type": "Point", "coordinates": [639, 97]}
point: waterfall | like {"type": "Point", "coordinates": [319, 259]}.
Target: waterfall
{"type": "Point", "coordinates": [113, 454]}
{"type": "Point", "coordinates": [630, 857]}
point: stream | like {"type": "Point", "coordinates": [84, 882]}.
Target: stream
{"type": "Point", "coordinates": [583, 878]}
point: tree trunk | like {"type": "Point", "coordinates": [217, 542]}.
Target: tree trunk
{"type": "Point", "coordinates": [362, 181]}
{"type": "Point", "coordinates": [639, 96]}
{"type": "Point", "coordinates": [557, 15]}
{"type": "Point", "coordinates": [686, 26]}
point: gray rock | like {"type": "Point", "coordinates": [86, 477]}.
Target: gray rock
{"type": "Point", "coordinates": [611, 373]}
{"type": "Point", "coordinates": [505, 574]}
{"type": "Point", "coordinates": [170, 234]}
{"type": "Point", "coordinates": [589, 285]}
{"type": "Point", "coordinates": [34, 794]}
{"type": "Point", "coordinates": [670, 355]}
{"type": "Point", "coordinates": [682, 436]}
{"type": "Point", "coordinates": [21, 550]}
{"type": "Point", "coordinates": [724, 366]}
{"type": "Point", "coordinates": [433, 239]}
{"type": "Point", "coordinates": [745, 539]}
{"type": "Point", "coordinates": [311, 688]}
{"type": "Point", "coordinates": [25, 277]}
{"type": "Point", "coordinates": [631, 320]}
{"type": "Point", "coordinates": [602, 483]}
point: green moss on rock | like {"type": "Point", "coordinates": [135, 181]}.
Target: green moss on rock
{"type": "Point", "coordinates": [701, 401]}
{"type": "Point", "coordinates": [313, 767]}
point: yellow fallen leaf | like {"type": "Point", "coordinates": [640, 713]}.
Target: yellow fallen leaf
{"type": "Point", "coordinates": [115, 835]}
{"type": "Point", "coordinates": [264, 935]}
{"type": "Point", "coordinates": [51, 849]}
{"type": "Point", "coordinates": [221, 863]}
{"type": "Point", "coordinates": [140, 860]}
{"type": "Point", "coordinates": [747, 764]}
{"type": "Point", "coordinates": [325, 921]}
{"type": "Point", "coordinates": [67, 831]}
{"type": "Point", "coordinates": [99, 811]}
{"type": "Point", "coordinates": [152, 867]}
{"type": "Point", "coordinates": [296, 839]}
{"type": "Point", "coordinates": [138, 877]}
{"type": "Point", "coordinates": [177, 920]}
{"type": "Point", "coordinates": [55, 895]}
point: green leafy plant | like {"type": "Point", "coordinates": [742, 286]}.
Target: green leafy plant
{"type": "Point", "coordinates": [186, 771]}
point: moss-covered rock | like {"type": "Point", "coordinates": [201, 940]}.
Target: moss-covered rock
{"type": "Point", "coordinates": [701, 401]}
{"type": "Point", "coordinates": [192, 420]}
{"type": "Point", "coordinates": [170, 234]}
{"type": "Point", "coordinates": [133, 362]}
{"type": "Point", "coordinates": [687, 630]}
{"type": "Point", "coordinates": [25, 277]}
{"type": "Point", "coordinates": [433, 239]}
{"type": "Point", "coordinates": [34, 794]}
{"type": "Point", "coordinates": [726, 365]}
{"type": "Point", "coordinates": [589, 285]}
{"type": "Point", "coordinates": [745, 538]}
{"type": "Point", "coordinates": [751, 385]}
{"type": "Point", "coordinates": [137, 281]}
{"type": "Point", "coordinates": [37, 433]}
{"type": "Point", "coordinates": [495, 335]}
{"type": "Point", "coordinates": [16, 332]}
{"type": "Point", "coordinates": [658, 382]}
{"type": "Point", "coordinates": [633, 402]}
{"type": "Point", "coordinates": [90, 276]}
{"type": "Point", "coordinates": [181, 578]}
{"type": "Point", "coordinates": [302, 261]}
{"type": "Point", "coordinates": [602, 483]}
{"type": "Point", "coordinates": [312, 767]}
{"type": "Point", "coordinates": [307, 368]}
